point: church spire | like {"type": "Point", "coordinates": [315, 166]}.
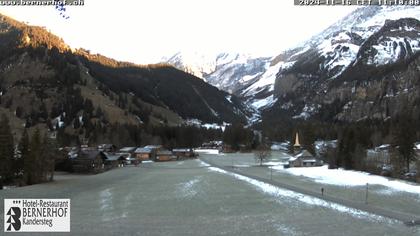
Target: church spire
{"type": "Point", "coordinates": [297, 144]}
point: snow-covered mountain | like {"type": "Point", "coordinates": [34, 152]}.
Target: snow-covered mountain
{"type": "Point", "coordinates": [261, 81]}
{"type": "Point", "coordinates": [333, 50]}
{"type": "Point", "coordinates": [197, 64]}
{"type": "Point", "coordinates": [362, 67]}
{"type": "Point", "coordinates": [249, 77]}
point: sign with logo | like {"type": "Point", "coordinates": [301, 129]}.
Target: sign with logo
{"type": "Point", "coordinates": [36, 215]}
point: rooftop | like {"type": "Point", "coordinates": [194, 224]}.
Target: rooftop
{"type": "Point", "coordinates": [128, 149]}
{"type": "Point", "coordinates": [143, 150]}
{"type": "Point", "coordinates": [182, 150]}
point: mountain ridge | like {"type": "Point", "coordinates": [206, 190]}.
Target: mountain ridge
{"type": "Point", "coordinates": [45, 82]}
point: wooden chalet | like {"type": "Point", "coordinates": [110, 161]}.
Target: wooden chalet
{"type": "Point", "coordinates": [129, 155]}
{"type": "Point", "coordinates": [183, 153]}
{"type": "Point", "coordinates": [113, 161]}
{"type": "Point", "coordinates": [147, 153]}
{"type": "Point", "coordinates": [144, 154]}
{"type": "Point", "coordinates": [88, 162]}
{"type": "Point", "coordinates": [129, 150]}
{"type": "Point", "coordinates": [107, 148]}
{"type": "Point", "coordinates": [165, 155]}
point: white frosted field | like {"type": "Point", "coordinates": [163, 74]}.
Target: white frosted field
{"type": "Point", "coordinates": [191, 198]}
{"type": "Point", "coordinates": [283, 193]}
{"type": "Point", "coordinates": [350, 178]}
{"type": "Point", "coordinates": [385, 193]}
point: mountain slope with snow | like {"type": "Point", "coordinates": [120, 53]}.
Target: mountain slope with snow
{"type": "Point", "coordinates": [362, 67]}
{"type": "Point", "coordinates": [328, 54]}
{"type": "Point", "coordinates": [309, 67]}
{"type": "Point", "coordinates": [249, 77]}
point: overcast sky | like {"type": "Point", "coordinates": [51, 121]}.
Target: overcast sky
{"type": "Point", "coordinates": [143, 31]}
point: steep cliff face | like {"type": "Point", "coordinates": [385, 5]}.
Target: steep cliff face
{"type": "Point", "coordinates": [359, 72]}
{"type": "Point", "coordinates": [390, 91]}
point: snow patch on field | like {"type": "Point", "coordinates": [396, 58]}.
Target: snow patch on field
{"type": "Point", "coordinates": [351, 178]}
{"type": "Point", "coordinates": [9, 187]}
{"type": "Point", "coordinates": [207, 151]}
{"type": "Point", "coordinates": [286, 229]}
{"type": "Point", "coordinates": [242, 166]}
{"type": "Point", "coordinates": [277, 164]}
{"type": "Point", "coordinates": [188, 189]}
{"type": "Point", "coordinates": [106, 205]}
{"type": "Point", "coordinates": [215, 169]}
{"type": "Point", "coordinates": [106, 197]}
{"type": "Point", "coordinates": [279, 192]}
{"type": "Point", "coordinates": [203, 164]}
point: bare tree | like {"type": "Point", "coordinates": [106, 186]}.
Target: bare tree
{"type": "Point", "coordinates": [262, 153]}
{"type": "Point", "coordinates": [418, 170]}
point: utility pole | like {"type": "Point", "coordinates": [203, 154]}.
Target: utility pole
{"type": "Point", "coordinates": [271, 172]}
{"type": "Point", "coordinates": [367, 192]}
{"type": "Point", "coordinates": [232, 160]}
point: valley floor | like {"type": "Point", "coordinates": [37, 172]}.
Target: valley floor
{"type": "Point", "coordinates": [192, 198]}
{"type": "Point", "coordinates": [386, 193]}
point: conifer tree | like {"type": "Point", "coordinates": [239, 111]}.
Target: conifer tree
{"type": "Point", "coordinates": [33, 164]}
{"type": "Point", "coordinates": [6, 150]}
{"type": "Point", "coordinates": [49, 152]}
{"type": "Point", "coordinates": [23, 150]}
{"type": "Point", "coordinates": [404, 139]}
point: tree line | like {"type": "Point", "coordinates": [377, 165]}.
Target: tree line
{"type": "Point", "coordinates": [354, 139]}
{"type": "Point", "coordinates": [29, 162]}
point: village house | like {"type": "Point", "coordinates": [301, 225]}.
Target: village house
{"type": "Point", "coordinates": [144, 154]}
{"type": "Point", "coordinates": [72, 152]}
{"type": "Point", "coordinates": [228, 148]}
{"type": "Point", "coordinates": [154, 147]}
{"type": "Point", "coordinates": [379, 157]}
{"type": "Point", "coordinates": [129, 150]}
{"type": "Point", "coordinates": [147, 153]}
{"type": "Point", "coordinates": [302, 157]}
{"type": "Point", "coordinates": [165, 155]}
{"type": "Point", "coordinates": [129, 155]}
{"type": "Point", "coordinates": [88, 162]}
{"type": "Point", "coordinates": [113, 161]}
{"type": "Point", "coordinates": [107, 148]}
{"type": "Point", "coordinates": [212, 145]}
{"type": "Point", "coordinates": [323, 146]}
{"type": "Point", "coordinates": [183, 153]}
